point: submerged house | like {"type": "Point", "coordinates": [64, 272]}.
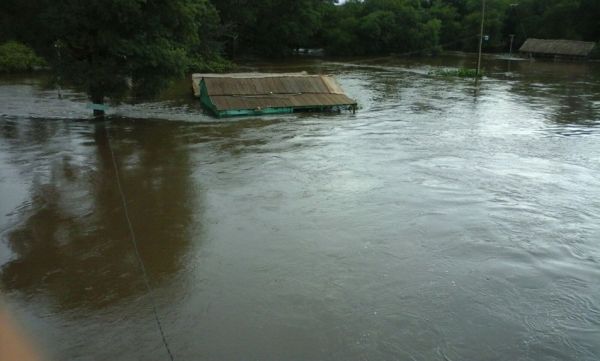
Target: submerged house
{"type": "Point", "coordinates": [227, 95]}
{"type": "Point", "coordinates": [557, 48]}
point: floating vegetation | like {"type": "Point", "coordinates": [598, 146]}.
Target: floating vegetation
{"type": "Point", "coordinates": [460, 72]}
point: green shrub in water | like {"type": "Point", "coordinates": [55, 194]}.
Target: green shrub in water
{"type": "Point", "coordinates": [215, 64]}
{"type": "Point", "coordinates": [461, 72]}
{"type": "Point", "coordinates": [16, 57]}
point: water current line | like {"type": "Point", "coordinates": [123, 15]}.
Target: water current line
{"type": "Point", "coordinates": [135, 245]}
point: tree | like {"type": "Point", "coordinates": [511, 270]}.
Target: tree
{"type": "Point", "coordinates": [272, 28]}
{"type": "Point", "coordinates": [381, 27]}
{"type": "Point", "coordinates": [588, 25]}
{"type": "Point", "coordinates": [449, 18]}
{"type": "Point", "coordinates": [108, 46]}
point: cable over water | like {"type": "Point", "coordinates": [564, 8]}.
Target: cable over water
{"type": "Point", "coordinates": [135, 246]}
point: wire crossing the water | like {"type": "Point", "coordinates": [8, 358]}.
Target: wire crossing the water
{"type": "Point", "coordinates": [135, 245]}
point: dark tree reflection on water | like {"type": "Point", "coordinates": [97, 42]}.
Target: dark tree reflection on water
{"type": "Point", "coordinates": [71, 241]}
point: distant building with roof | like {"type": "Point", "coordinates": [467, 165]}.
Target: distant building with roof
{"type": "Point", "coordinates": [557, 48]}
{"type": "Point", "coordinates": [226, 95]}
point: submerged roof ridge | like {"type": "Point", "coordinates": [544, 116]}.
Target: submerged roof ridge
{"type": "Point", "coordinates": [557, 46]}
{"type": "Point", "coordinates": [251, 75]}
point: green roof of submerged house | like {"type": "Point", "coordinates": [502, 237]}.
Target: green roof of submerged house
{"type": "Point", "coordinates": [260, 93]}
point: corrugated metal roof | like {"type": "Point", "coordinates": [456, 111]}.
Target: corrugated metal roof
{"type": "Point", "coordinates": [558, 47]}
{"type": "Point", "coordinates": [197, 77]}
{"type": "Point", "coordinates": [259, 91]}
{"type": "Point", "coordinates": [260, 86]}
{"type": "Point", "coordinates": [228, 102]}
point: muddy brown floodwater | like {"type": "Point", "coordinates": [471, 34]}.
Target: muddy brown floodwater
{"type": "Point", "coordinates": [430, 225]}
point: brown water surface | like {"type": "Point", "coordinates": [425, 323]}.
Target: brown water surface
{"type": "Point", "coordinates": [430, 225]}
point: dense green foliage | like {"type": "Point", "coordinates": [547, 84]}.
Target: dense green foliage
{"type": "Point", "coordinates": [16, 57]}
{"type": "Point", "coordinates": [272, 27]}
{"type": "Point", "coordinates": [381, 26]}
{"type": "Point", "coordinates": [105, 44]}
{"type": "Point", "coordinates": [110, 46]}
{"type": "Point", "coordinates": [407, 26]}
{"type": "Point", "coordinates": [277, 27]}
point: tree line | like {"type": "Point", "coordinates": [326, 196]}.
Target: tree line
{"type": "Point", "coordinates": [108, 46]}
{"type": "Point", "coordinates": [270, 28]}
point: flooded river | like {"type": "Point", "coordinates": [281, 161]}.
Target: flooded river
{"type": "Point", "coordinates": [430, 225]}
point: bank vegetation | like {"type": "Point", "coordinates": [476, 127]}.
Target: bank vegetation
{"type": "Point", "coordinates": [112, 47]}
